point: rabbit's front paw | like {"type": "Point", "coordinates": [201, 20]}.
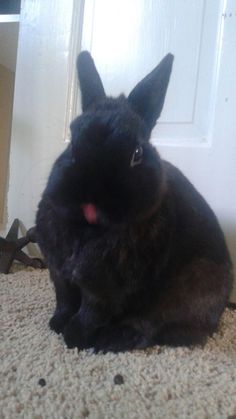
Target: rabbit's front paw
{"type": "Point", "coordinates": [75, 335]}
{"type": "Point", "coordinates": [119, 339]}
{"type": "Point", "coordinates": [60, 318]}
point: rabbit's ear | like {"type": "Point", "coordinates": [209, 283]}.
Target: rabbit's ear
{"type": "Point", "coordinates": [147, 98]}
{"type": "Point", "coordinates": [90, 83]}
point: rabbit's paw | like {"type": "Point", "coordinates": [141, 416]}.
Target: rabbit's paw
{"type": "Point", "coordinates": [119, 339]}
{"type": "Point", "coordinates": [75, 335]}
{"type": "Point", "coordinates": [60, 318]}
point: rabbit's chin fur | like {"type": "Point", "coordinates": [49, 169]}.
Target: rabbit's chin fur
{"type": "Point", "coordinates": [136, 255]}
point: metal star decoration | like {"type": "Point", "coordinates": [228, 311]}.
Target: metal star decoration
{"type": "Point", "coordinates": [10, 249]}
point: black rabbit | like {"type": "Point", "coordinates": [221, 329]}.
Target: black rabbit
{"type": "Point", "coordinates": [136, 255]}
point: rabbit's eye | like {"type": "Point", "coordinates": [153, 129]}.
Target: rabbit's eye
{"type": "Point", "coordinates": [137, 156]}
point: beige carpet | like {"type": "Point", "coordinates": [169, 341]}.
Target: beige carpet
{"type": "Point", "coordinates": [41, 378]}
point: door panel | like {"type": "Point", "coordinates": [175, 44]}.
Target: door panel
{"type": "Point", "coordinates": [196, 131]}
{"type": "Point", "coordinates": [127, 39]}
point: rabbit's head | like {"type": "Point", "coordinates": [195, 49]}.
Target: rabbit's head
{"type": "Point", "coordinates": [119, 173]}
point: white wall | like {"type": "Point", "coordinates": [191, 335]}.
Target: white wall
{"type": "Point", "coordinates": [9, 37]}
{"type": "Point", "coordinates": [6, 100]}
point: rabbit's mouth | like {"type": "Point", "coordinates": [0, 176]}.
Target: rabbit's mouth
{"type": "Point", "coordinates": [90, 213]}
{"type": "Point", "coordinates": [96, 216]}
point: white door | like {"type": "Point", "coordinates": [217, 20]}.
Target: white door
{"type": "Point", "coordinates": [127, 38]}
{"type": "Point", "coordinates": [197, 129]}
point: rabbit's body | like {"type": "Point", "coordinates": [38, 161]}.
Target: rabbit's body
{"type": "Point", "coordinates": [135, 253]}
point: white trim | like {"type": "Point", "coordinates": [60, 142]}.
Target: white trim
{"type": "Point", "coordinates": [201, 142]}
{"type": "Point", "coordinates": [216, 72]}
{"type": "Point", "coordinates": [9, 18]}
{"type": "Point", "coordinates": [75, 47]}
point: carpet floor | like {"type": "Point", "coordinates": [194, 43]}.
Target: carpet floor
{"type": "Point", "coordinates": [41, 378]}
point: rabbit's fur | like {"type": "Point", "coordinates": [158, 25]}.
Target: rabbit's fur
{"type": "Point", "coordinates": [136, 255]}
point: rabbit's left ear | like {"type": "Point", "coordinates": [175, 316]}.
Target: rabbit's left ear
{"type": "Point", "coordinates": [91, 86]}
{"type": "Point", "coordinates": [147, 98]}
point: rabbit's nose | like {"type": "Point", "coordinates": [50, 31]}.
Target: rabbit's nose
{"type": "Point", "coordinates": [90, 213]}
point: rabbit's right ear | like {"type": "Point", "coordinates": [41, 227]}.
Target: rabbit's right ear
{"type": "Point", "coordinates": [91, 87]}
{"type": "Point", "coordinates": [147, 98]}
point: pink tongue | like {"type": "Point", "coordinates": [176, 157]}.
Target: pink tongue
{"type": "Point", "coordinates": [90, 213]}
